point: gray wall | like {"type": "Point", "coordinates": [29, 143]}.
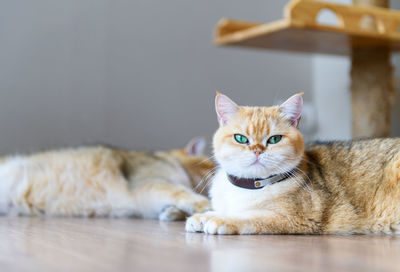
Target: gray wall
{"type": "Point", "coordinates": [137, 74]}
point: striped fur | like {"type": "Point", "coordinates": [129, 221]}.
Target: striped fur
{"type": "Point", "coordinates": [101, 181]}
{"type": "Point", "coordinates": [338, 187]}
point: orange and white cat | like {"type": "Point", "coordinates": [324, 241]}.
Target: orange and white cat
{"type": "Point", "coordinates": [101, 181]}
{"type": "Point", "coordinates": [269, 182]}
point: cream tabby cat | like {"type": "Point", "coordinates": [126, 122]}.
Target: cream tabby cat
{"type": "Point", "coordinates": [100, 181]}
{"type": "Point", "coordinates": [268, 182]}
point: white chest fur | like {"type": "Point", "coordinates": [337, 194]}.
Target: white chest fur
{"type": "Point", "coordinates": [230, 199]}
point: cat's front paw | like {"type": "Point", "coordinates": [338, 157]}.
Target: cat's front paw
{"type": "Point", "coordinates": [214, 223]}
{"type": "Point", "coordinates": [196, 222]}
{"type": "Point", "coordinates": [197, 204]}
{"type": "Point", "coordinates": [220, 225]}
{"type": "Point", "coordinates": [171, 213]}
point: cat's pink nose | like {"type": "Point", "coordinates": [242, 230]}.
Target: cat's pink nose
{"type": "Point", "coordinates": [257, 152]}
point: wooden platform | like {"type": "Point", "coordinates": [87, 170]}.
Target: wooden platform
{"type": "Point", "coordinates": [299, 31]}
{"type": "Point", "coordinates": [74, 244]}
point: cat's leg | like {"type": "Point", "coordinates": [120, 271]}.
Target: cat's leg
{"type": "Point", "coordinates": [171, 213]}
{"type": "Point", "coordinates": [157, 198]}
{"type": "Point", "coordinates": [250, 222]}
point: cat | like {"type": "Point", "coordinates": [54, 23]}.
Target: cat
{"type": "Point", "coordinates": [103, 181]}
{"type": "Point", "coordinates": [269, 182]}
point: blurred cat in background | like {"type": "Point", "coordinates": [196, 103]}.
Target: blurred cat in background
{"type": "Point", "coordinates": [102, 181]}
{"type": "Point", "coordinates": [269, 182]}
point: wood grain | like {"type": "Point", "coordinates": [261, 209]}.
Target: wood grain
{"type": "Point", "coordinates": [76, 244]}
{"type": "Point", "coordinates": [299, 31]}
{"type": "Point", "coordinates": [368, 32]}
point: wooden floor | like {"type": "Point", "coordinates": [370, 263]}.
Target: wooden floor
{"type": "Point", "coordinates": [75, 244]}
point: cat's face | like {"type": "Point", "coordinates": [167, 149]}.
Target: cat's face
{"type": "Point", "coordinates": [256, 142]}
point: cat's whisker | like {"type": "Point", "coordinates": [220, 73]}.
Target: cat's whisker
{"type": "Point", "coordinates": [304, 184]}
{"type": "Point", "coordinates": [308, 178]}
{"type": "Point", "coordinates": [298, 180]}
{"type": "Point", "coordinates": [310, 162]}
{"type": "Point", "coordinates": [210, 175]}
{"type": "Point", "coordinates": [205, 186]}
{"type": "Point", "coordinates": [206, 179]}
{"type": "Point", "coordinates": [211, 158]}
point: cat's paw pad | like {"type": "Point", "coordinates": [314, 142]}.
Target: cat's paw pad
{"type": "Point", "coordinates": [171, 213]}
{"type": "Point", "coordinates": [220, 226]}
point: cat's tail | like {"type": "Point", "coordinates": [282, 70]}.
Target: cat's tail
{"type": "Point", "coordinates": [12, 172]}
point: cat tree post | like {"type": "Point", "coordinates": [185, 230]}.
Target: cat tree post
{"type": "Point", "coordinates": [372, 87]}
{"type": "Point", "coordinates": [367, 32]}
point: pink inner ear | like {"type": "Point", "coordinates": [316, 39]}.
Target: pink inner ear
{"type": "Point", "coordinates": [225, 108]}
{"type": "Point", "coordinates": [196, 146]}
{"type": "Point", "coordinates": [291, 109]}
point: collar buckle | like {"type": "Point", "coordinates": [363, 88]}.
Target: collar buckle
{"type": "Point", "coordinates": [258, 184]}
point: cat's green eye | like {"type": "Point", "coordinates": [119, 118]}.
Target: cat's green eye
{"type": "Point", "coordinates": [241, 139]}
{"type": "Point", "coordinates": [274, 139]}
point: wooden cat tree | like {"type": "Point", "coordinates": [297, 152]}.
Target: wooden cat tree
{"type": "Point", "coordinates": [367, 32]}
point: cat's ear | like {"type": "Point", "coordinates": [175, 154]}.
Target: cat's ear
{"type": "Point", "coordinates": [291, 109]}
{"type": "Point", "coordinates": [196, 146]}
{"type": "Point", "coordinates": [225, 108]}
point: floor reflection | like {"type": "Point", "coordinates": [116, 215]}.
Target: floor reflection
{"type": "Point", "coordinates": [293, 253]}
{"type": "Point", "coordinates": [46, 244]}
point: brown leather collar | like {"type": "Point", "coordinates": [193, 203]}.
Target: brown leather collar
{"type": "Point", "coordinates": [258, 183]}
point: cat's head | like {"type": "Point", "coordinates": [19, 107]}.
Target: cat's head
{"type": "Point", "coordinates": [192, 158]}
{"type": "Point", "coordinates": [256, 142]}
